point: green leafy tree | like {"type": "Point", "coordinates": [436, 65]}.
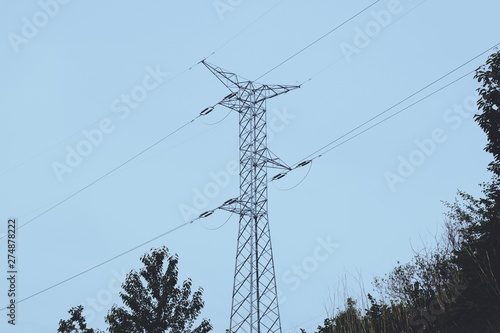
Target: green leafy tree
{"type": "Point", "coordinates": [76, 324]}
{"type": "Point", "coordinates": [489, 103]}
{"type": "Point", "coordinates": [477, 253]}
{"type": "Point", "coordinates": [154, 302]}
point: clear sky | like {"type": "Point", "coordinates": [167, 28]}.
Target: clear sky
{"type": "Point", "coordinates": [86, 85]}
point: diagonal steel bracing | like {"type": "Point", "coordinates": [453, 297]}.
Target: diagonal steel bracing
{"type": "Point", "coordinates": [255, 301]}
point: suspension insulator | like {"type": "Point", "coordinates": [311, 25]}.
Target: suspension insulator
{"type": "Point", "coordinates": [230, 202]}
{"type": "Point", "coordinates": [301, 164]}
{"type": "Point", "coordinates": [206, 111]}
{"type": "Point", "coordinates": [206, 214]}
{"type": "Point", "coordinates": [279, 176]}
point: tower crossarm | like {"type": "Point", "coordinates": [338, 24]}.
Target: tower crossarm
{"type": "Point", "coordinates": [242, 89]}
{"type": "Point", "coordinates": [230, 80]}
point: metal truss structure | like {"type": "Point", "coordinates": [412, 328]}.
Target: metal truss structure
{"type": "Point", "coordinates": [255, 306]}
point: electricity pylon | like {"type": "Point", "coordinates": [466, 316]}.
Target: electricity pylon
{"type": "Point", "coordinates": [255, 306]}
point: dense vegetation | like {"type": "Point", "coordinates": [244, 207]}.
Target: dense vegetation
{"type": "Point", "coordinates": [454, 287]}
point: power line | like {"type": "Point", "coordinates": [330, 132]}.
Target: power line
{"type": "Point", "coordinates": [405, 99]}
{"type": "Point", "coordinates": [177, 144]}
{"type": "Point", "coordinates": [203, 215]}
{"type": "Point", "coordinates": [317, 40]}
{"type": "Point", "coordinates": [243, 30]}
{"type": "Point", "coordinates": [394, 114]}
{"type": "Point", "coordinates": [102, 263]}
{"type": "Point", "coordinates": [309, 159]}
{"type": "Point", "coordinates": [108, 173]}
{"type": "Point", "coordinates": [321, 151]}
{"type": "Point", "coordinates": [204, 112]}
{"type": "Point", "coordinates": [111, 114]}
{"type": "Point", "coordinates": [370, 38]}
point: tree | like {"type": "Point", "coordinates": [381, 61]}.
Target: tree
{"type": "Point", "coordinates": [154, 303]}
{"type": "Point", "coordinates": [489, 102]}
{"type": "Point", "coordinates": [76, 324]}
{"type": "Point", "coordinates": [477, 253]}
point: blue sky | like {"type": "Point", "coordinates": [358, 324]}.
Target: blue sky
{"type": "Point", "coordinates": [68, 67]}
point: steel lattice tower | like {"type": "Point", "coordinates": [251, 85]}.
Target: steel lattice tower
{"type": "Point", "coordinates": [255, 300]}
